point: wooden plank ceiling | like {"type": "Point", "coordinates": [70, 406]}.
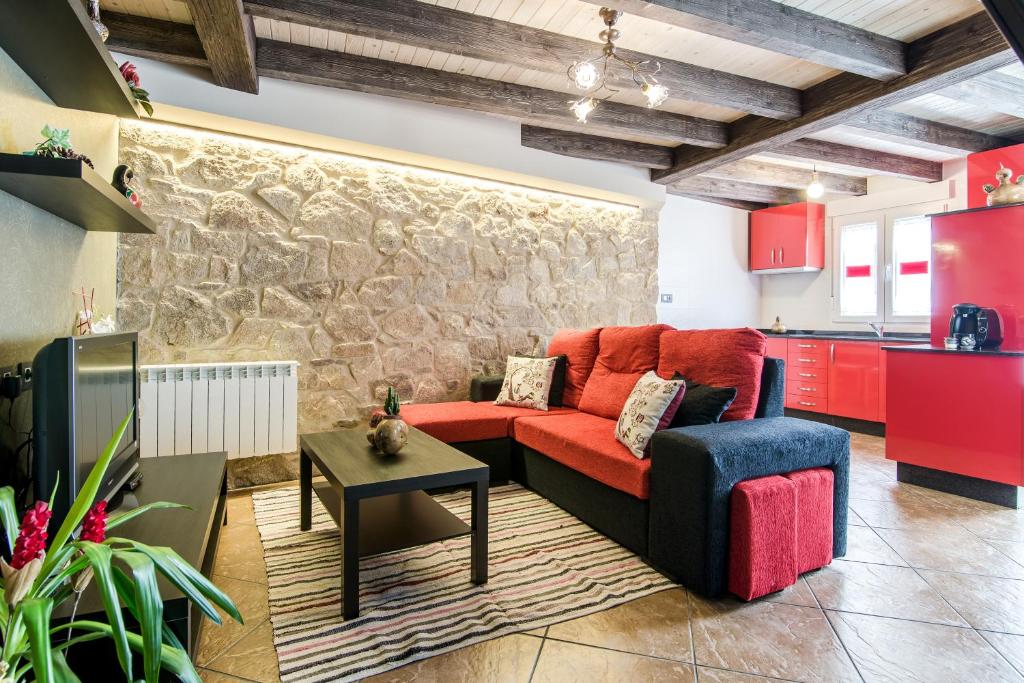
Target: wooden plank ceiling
{"type": "Point", "coordinates": [761, 91]}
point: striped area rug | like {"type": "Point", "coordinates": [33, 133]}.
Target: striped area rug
{"type": "Point", "coordinates": [545, 566]}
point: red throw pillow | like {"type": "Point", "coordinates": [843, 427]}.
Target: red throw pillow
{"type": "Point", "coordinates": [626, 353]}
{"type": "Point", "coordinates": [721, 358]}
{"type": "Point", "coordinates": [580, 349]}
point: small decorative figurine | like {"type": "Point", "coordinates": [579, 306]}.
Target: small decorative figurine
{"type": "Point", "coordinates": [84, 323]}
{"type": "Point", "coordinates": [778, 327]}
{"type": "Point", "coordinates": [391, 432]}
{"type": "Point", "coordinates": [94, 17]}
{"type": "Point", "coordinates": [57, 144]}
{"type": "Point", "coordinates": [1007, 191]}
{"type": "Point", "coordinates": [131, 77]}
{"type": "Point", "coordinates": [122, 182]}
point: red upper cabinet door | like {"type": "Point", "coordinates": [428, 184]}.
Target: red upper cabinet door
{"type": "Point", "coordinates": [788, 238]}
{"type": "Point", "coordinates": [853, 379]}
{"type": "Point", "coordinates": [762, 239]}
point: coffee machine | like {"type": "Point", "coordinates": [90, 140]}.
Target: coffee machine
{"type": "Point", "coordinates": [975, 327]}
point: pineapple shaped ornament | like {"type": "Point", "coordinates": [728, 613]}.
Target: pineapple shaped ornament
{"type": "Point", "coordinates": [391, 432]}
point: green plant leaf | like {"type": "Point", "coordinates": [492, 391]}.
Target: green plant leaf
{"type": "Point", "coordinates": [46, 584]}
{"type": "Point", "coordinates": [147, 106]}
{"type": "Point", "coordinates": [187, 579]}
{"type": "Point", "coordinates": [36, 614]}
{"type": "Point", "coordinates": [99, 559]}
{"type": "Point", "coordinates": [115, 521]}
{"type": "Point", "coordinates": [62, 673]}
{"type": "Point", "coordinates": [149, 609]}
{"type": "Point", "coordinates": [9, 516]}
{"type": "Point", "coordinates": [86, 495]}
{"type": "Point", "coordinates": [173, 659]}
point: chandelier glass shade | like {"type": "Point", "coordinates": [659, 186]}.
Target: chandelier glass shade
{"type": "Point", "coordinates": [591, 75]}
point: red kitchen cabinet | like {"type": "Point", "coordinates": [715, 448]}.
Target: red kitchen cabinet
{"type": "Point", "coordinates": [777, 348]}
{"type": "Point", "coordinates": [853, 379]}
{"type": "Point", "coordinates": [790, 238]}
{"type": "Point", "coordinates": [882, 377]}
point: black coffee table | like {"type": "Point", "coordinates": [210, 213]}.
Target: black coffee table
{"type": "Point", "coordinates": [379, 503]}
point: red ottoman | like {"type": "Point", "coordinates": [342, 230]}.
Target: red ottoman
{"type": "Point", "coordinates": [813, 517]}
{"type": "Point", "coordinates": [762, 536]}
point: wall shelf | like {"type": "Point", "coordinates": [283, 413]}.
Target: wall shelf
{"type": "Point", "coordinates": [71, 190]}
{"type": "Point", "coordinates": [54, 42]}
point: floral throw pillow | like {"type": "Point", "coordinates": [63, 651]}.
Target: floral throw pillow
{"type": "Point", "coordinates": [651, 406]}
{"type": "Point", "coordinates": [527, 382]}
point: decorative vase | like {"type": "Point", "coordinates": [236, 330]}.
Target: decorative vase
{"type": "Point", "coordinates": [1007, 191]}
{"type": "Point", "coordinates": [391, 434]}
{"type": "Point", "coordinates": [778, 327]}
{"type": "Point", "coordinates": [94, 16]}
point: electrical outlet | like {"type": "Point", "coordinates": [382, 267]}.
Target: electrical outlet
{"type": "Point", "coordinates": [666, 298]}
{"type": "Point", "coordinates": [25, 370]}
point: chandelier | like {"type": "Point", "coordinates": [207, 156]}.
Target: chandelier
{"type": "Point", "coordinates": [591, 75]}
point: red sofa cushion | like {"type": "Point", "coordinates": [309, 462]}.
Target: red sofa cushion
{"type": "Point", "coordinates": [587, 444]}
{"type": "Point", "coordinates": [813, 517]}
{"type": "Point", "coordinates": [457, 421]}
{"type": "Point", "coordinates": [719, 358]}
{"type": "Point", "coordinates": [625, 354]}
{"type": "Point", "coordinates": [762, 536]}
{"type": "Point", "coordinates": [580, 349]}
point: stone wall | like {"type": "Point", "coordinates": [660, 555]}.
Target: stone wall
{"type": "Point", "coordinates": [369, 273]}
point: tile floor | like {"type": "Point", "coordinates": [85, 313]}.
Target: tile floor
{"type": "Point", "coordinates": [932, 589]}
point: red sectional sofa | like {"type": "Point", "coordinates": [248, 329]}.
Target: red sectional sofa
{"type": "Point", "coordinates": [673, 506]}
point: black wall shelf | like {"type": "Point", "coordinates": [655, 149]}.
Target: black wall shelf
{"type": "Point", "coordinates": [54, 42]}
{"type": "Point", "coordinates": [70, 189]}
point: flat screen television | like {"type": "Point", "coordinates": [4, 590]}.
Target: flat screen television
{"type": "Point", "coordinates": [84, 388]}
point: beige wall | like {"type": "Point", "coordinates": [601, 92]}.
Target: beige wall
{"type": "Point", "coordinates": [42, 257]}
{"type": "Point", "coordinates": [368, 273]}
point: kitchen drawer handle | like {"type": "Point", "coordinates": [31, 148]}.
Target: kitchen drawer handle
{"type": "Point", "coordinates": [807, 403]}
{"type": "Point", "coordinates": [808, 346]}
{"type": "Point", "coordinates": [807, 374]}
{"type": "Point", "coordinates": [807, 360]}
{"type": "Point", "coordinates": [773, 257]}
{"type": "Point", "coordinates": [807, 389]}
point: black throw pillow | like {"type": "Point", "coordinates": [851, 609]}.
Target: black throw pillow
{"type": "Point", "coordinates": [557, 379]}
{"type": "Point", "coordinates": [702, 404]}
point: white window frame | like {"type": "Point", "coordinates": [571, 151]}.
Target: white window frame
{"type": "Point", "coordinates": [883, 268]}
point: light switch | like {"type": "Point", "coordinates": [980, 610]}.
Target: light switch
{"type": "Point", "coordinates": [666, 298]}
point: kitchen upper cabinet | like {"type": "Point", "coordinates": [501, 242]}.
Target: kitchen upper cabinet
{"type": "Point", "coordinates": [853, 379]}
{"type": "Point", "coordinates": [788, 239]}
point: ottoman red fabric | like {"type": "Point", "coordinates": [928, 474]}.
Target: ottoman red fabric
{"type": "Point", "coordinates": [813, 517]}
{"type": "Point", "coordinates": [762, 536]}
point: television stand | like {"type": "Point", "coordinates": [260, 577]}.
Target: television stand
{"type": "Point", "coordinates": [198, 481]}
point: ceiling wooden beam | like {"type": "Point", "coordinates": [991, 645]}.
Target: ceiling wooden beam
{"type": "Point", "coordinates": [734, 189]}
{"type": "Point", "coordinates": [869, 161]}
{"type": "Point", "coordinates": [229, 42]}
{"type": "Point", "coordinates": [518, 102]}
{"type": "Point", "coordinates": [1009, 17]}
{"type": "Point", "coordinates": [732, 203]}
{"type": "Point", "coordinates": [792, 177]}
{"type": "Point", "coordinates": [929, 134]}
{"type": "Point", "coordinates": [451, 31]}
{"type": "Point", "coordinates": [777, 27]}
{"type": "Point", "coordinates": [654, 156]}
{"type": "Point", "coordinates": [948, 56]}
{"type": "Point", "coordinates": [163, 40]}
{"type": "Point", "coordinates": [583, 146]}
{"type": "Point", "coordinates": [996, 92]}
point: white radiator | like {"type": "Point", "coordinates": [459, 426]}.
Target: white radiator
{"type": "Point", "coordinates": [245, 409]}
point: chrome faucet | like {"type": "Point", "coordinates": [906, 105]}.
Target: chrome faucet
{"type": "Point", "coordinates": [879, 329]}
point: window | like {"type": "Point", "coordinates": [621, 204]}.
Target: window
{"type": "Point", "coordinates": [882, 264]}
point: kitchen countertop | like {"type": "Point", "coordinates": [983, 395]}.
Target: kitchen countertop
{"type": "Point", "coordinates": [928, 348]}
{"type": "Point", "coordinates": [837, 335]}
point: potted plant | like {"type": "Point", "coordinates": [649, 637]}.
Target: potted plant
{"type": "Point", "coordinates": [36, 579]}
{"type": "Point", "coordinates": [389, 432]}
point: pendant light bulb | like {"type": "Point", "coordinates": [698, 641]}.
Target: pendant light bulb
{"type": "Point", "coordinates": [815, 190]}
{"type": "Point", "coordinates": [582, 108]}
{"type": "Point", "coordinates": [655, 93]}
{"type": "Point", "coordinates": [584, 75]}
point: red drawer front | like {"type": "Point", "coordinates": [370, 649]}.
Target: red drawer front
{"type": "Point", "coordinates": [808, 347]}
{"type": "Point", "coordinates": [810, 390]}
{"type": "Point", "coordinates": [806, 372]}
{"type": "Point", "coordinates": [803, 360]}
{"type": "Point", "coordinates": [814, 405]}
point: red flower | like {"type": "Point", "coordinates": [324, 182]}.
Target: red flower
{"type": "Point", "coordinates": [31, 541]}
{"type": "Point", "coordinates": [130, 74]}
{"type": "Point", "coordinates": [94, 525]}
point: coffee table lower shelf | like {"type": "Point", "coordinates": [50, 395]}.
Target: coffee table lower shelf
{"type": "Point", "coordinates": [395, 522]}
